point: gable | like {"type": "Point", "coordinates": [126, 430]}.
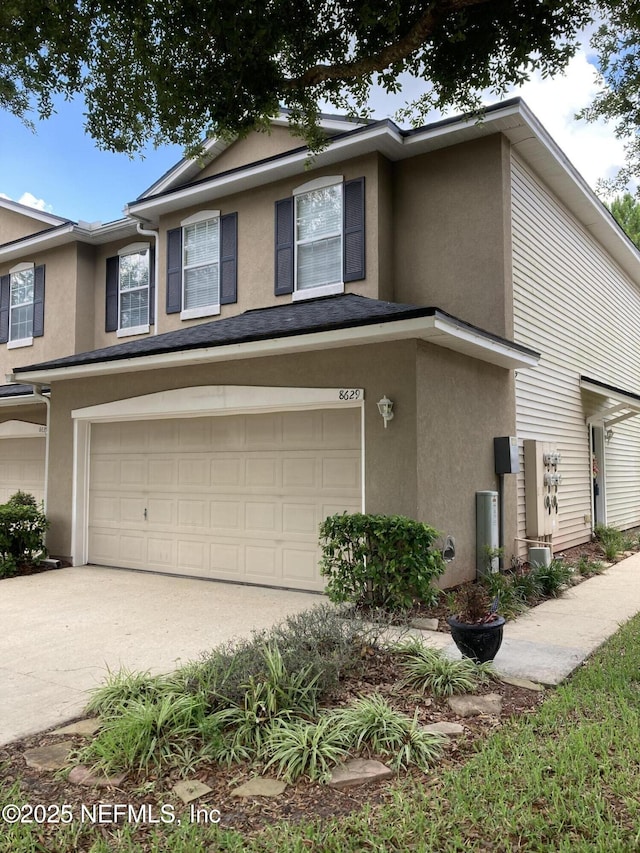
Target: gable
{"type": "Point", "coordinates": [258, 145]}
{"type": "Point", "coordinates": [18, 223]}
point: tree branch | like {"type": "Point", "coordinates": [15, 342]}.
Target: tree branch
{"type": "Point", "coordinates": [391, 54]}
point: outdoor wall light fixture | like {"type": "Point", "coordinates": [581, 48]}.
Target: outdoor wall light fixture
{"type": "Point", "coordinates": [385, 407]}
{"type": "Point", "coordinates": [609, 435]}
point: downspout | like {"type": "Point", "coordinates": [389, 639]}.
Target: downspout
{"type": "Point", "coordinates": [37, 393]}
{"type": "Point", "coordinates": [156, 235]}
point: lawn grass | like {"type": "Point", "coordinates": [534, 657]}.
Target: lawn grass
{"type": "Point", "coordinates": [565, 778]}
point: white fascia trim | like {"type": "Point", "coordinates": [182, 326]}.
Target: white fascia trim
{"type": "Point", "coordinates": [62, 236]}
{"type": "Point", "coordinates": [224, 184]}
{"type": "Point", "coordinates": [32, 212]}
{"type": "Point", "coordinates": [431, 329]}
{"type": "Point", "coordinates": [218, 400]}
{"type": "Point", "coordinates": [20, 400]}
{"type": "Point", "coordinates": [625, 401]}
{"type": "Point", "coordinates": [22, 429]}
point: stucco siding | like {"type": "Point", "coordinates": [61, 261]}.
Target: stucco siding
{"type": "Point", "coordinates": [576, 307]}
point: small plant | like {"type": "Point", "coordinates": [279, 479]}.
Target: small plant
{"type": "Point", "coordinates": [553, 578]}
{"type": "Point", "coordinates": [611, 540]}
{"type": "Point", "coordinates": [379, 561]}
{"type": "Point", "coordinates": [300, 748]}
{"type": "Point", "coordinates": [512, 590]}
{"type": "Point", "coordinates": [372, 724]}
{"type": "Point", "coordinates": [21, 498]}
{"type": "Point", "coordinates": [153, 732]}
{"type": "Point", "coordinates": [587, 568]}
{"type": "Point", "coordinates": [120, 689]}
{"type": "Point", "coordinates": [429, 670]}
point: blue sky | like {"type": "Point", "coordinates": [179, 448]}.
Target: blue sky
{"type": "Point", "coordinates": [59, 168]}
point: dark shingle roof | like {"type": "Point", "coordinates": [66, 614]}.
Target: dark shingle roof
{"type": "Point", "coordinates": [15, 391]}
{"type": "Point", "coordinates": [281, 321]}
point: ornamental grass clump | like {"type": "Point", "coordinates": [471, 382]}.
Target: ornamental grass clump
{"type": "Point", "coordinates": [430, 671]}
{"type": "Point", "coordinates": [373, 726]}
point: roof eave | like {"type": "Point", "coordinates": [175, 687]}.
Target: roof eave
{"type": "Point", "coordinates": [437, 329]}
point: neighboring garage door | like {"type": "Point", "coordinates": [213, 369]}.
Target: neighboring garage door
{"type": "Point", "coordinates": [235, 497]}
{"type": "Point", "coordinates": [22, 467]}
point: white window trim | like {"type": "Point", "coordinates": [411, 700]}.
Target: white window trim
{"type": "Point", "coordinates": [132, 330]}
{"type": "Point", "coordinates": [212, 309]}
{"type": "Point", "coordinates": [323, 289]}
{"type": "Point", "coordinates": [28, 341]}
{"type": "Point", "coordinates": [21, 342]}
{"type": "Point", "coordinates": [134, 249]}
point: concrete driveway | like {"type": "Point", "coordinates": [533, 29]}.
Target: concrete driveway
{"type": "Point", "coordinates": [60, 630]}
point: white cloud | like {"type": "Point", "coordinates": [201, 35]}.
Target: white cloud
{"type": "Point", "coordinates": [592, 147]}
{"type": "Point", "coordinates": [39, 203]}
{"type": "Point", "coordinates": [30, 200]}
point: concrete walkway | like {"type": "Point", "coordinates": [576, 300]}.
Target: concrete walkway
{"type": "Point", "coordinates": [61, 630]}
{"type": "Point", "coordinates": [548, 642]}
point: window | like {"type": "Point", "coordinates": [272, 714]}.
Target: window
{"type": "Point", "coordinates": [133, 291]}
{"type": "Point", "coordinates": [320, 238]}
{"type": "Point", "coordinates": [21, 306]}
{"type": "Point", "coordinates": [130, 290]}
{"type": "Point", "coordinates": [201, 265]}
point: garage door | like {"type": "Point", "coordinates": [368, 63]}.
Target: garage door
{"type": "Point", "coordinates": [231, 497]}
{"type": "Point", "coordinates": [22, 467]}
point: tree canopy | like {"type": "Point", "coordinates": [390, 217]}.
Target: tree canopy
{"type": "Point", "coordinates": [158, 71]}
{"type": "Point", "coordinates": [626, 211]}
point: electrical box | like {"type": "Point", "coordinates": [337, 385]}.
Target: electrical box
{"type": "Point", "coordinates": [505, 451]}
{"type": "Point", "coordinates": [542, 482]}
{"type": "Point", "coordinates": [487, 533]}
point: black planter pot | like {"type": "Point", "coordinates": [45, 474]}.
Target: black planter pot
{"type": "Point", "coordinates": [478, 642]}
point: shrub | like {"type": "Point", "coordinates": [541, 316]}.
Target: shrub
{"type": "Point", "coordinates": [379, 561]}
{"type": "Point", "coordinates": [587, 568]}
{"type": "Point", "coordinates": [22, 529]}
{"type": "Point", "coordinates": [21, 498]}
{"type": "Point", "coordinates": [321, 640]}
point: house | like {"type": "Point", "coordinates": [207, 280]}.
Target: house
{"type": "Point", "coordinates": [194, 387]}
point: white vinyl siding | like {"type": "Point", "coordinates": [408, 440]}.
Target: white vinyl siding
{"type": "Point", "coordinates": [577, 308]}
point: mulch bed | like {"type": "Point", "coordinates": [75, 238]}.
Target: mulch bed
{"type": "Point", "coordinates": [304, 800]}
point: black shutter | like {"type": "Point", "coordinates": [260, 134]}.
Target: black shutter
{"type": "Point", "coordinates": [38, 302]}
{"type": "Point", "coordinates": [284, 247]}
{"type": "Point", "coordinates": [174, 271]}
{"type": "Point", "coordinates": [111, 301]}
{"type": "Point", "coordinates": [5, 289]}
{"type": "Point", "coordinates": [152, 287]}
{"type": "Point", "coordinates": [353, 212]}
{"type": "Point", "coordinates": [229, 259]}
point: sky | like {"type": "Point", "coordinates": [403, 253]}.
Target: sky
{"type": "Point", "coordinates": [60, 170]}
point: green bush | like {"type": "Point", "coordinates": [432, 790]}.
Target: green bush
{"type": "Point", "coordinates": [21, 498]}
{"type": "Point", "coordinates": [611, 540]}
{"type": "Point", "coordinates": [22, 530]}
{"type": "Point", "coordinates": [381, 561]}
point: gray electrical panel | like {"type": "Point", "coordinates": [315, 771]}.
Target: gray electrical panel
{"type": "Point", "coordinates": [505, 450]}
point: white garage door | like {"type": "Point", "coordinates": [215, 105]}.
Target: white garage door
{"type": "Point", "coordinates": [22, 467]}
{"type": "Point", "coordinates": [231, 497]}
